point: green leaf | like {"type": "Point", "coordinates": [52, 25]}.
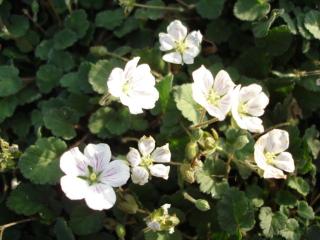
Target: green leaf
{"type": "Point", "coordinates": [99, 73]}
{"type": "Point", "coordinates": [311, 136]}
{"type": "Point", "coordinates": [25, 199]}
{"type": "Point", "coordinates": [77, 22]}
{"type": "Point", "coordinates": [77, 82]}
{"type": "Point", "coordinates": [64, 39]}
{"type": "Point", "coordinates": [62, 230]}
{"type": "Point", "coordinates": [271, 223]}
{"type": "Point", "coordinates": [164, 87]}
{"type": "Point", "coordinates": [277, 41]}
{"type": "Point", "coordinates": [299, 184]}
{"type": "Point", "coordinates": [210, 8]}
{"type": "Point", "coordinates": [61, 59]}
{"type": "Point", "coordinates": [305, 211]}
{"type": "Point", "coordinates": [163, 235]}
{"type": "Point", "coordinates": [235, 212]}
{"type": "Point", "coordinates": [312, 23]}
{"type": "Point", "coordinates": [261, 29]}
{"type": "Point", "coordinates": [149, 13]}
{"type": "Point", "coordinates": [9, 81]}
{"type": "Point", "coordinates": [217, 32]}
{"type": "Point", "coordinates": [110, 19]}
{"type": "Point", "coordinates": [128, 26]}
{"type": "Point", "coordinates": [249, 10]}
{"type": "Point", "coordinates": [40, 162]}
{"type": "Point", "coordinates": [285, 198]}
{"type": "Point", "coordinates": [84, 221]}
{"type": "Point", "coordinates": [17, 26]}
{"type": "Point", "coordinates": [48, 77]}
{"type": "Point", "coordinates": [205, 176]}
{"type": "Point", "coordinates": [43, 49]}
{"type": "Point", "coordinates": [291, 230]}
{"type": "Point", "coordinates": [185, 103]}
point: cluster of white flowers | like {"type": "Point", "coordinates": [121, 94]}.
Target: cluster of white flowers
{"type": "Point", "coordinates": [219, 95]}
{"type": "Point", "coordinates": [92, 176]}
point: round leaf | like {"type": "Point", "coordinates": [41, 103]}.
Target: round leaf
{"type": "Point", "coordinates": [249, 10]}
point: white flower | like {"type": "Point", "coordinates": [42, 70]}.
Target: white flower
{"type": "Point", "coordinates": [248, 105]}
{"type": "Point", "coordinates": [215, 95]}
{"type": "Point", "coordinates": [270, 155]}
{"type": "Point", "coordinates": [91, 176]}
{"type": "Point", "coordinates": [134, 86]}
{"type": "Point", "coordinates": [183, 48]}
{"type": "Point", "coordinates": [143, 164]}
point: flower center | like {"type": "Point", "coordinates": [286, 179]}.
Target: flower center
{"type": "Point", "coordinates": [126, 88]}
{"type": "Point", "coordinates": [270, 156]}
{"type": "Point", "coordinates": [147, 161]}
{"type": "Point", "coordinates": [213, 98]}
{"type": "Point", "coordinates": [181, 46]}
{"type": "Point", "coordinates": [93, 177]}
{"type": "Point", "coordinates": [242, 109]}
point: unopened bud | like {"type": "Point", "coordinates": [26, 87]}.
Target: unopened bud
{"type": "Point", "coordinates": [121, 231]}
{"type": "Point", "coordinates": [187, 173]}
{"type": "Point", "coordinates": [215, 134]}
{"type": "Point", "coordinates": [202, 205]}
{"type": "Point", "coordinates": [128, 204]}
{"type": "Point", "coordinates": [191, 150]}
{"type": "Point", "coordinates": [209, 142]}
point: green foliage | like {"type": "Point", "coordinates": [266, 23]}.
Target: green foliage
{"type": "Point", "coordinates": [40, 162]}
{"type": "Point", "coordinates": [56, 57]}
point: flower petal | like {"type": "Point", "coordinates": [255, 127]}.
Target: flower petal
{"type": "Point", "coordinates": [259, 157]}
{"type": "Point", "coordinates": [74, 187]}
{"type": "Point", "coordinates": [173, 57]}
{"type": "Point", "coordinates": [73, 162]}
{"type": "Point", "coordinates": [225, 104]}
{"type": "Point", "coordinates": [115, 82]}
{"type": "Point", "coordinates": [203, 82]}
{"type": "Point", "coordinates": [100, 196]}
{"type": "Point", "coordinates": [194, 39]}
{"type": "Point", "coordinates": [223, 83]}
{"type": "Point", "coordinates": [256, 105]}
{"type": "Point", "coordinates": [161, 154]}
{"type": "Point", "coordinates": [284, 161]}
{"type": "Point", "coordinates": [277, 141]}
{"type": "Point", "coordinates": [146, 145]}
{"type": "Point", "coordinates": [187, 58]}
{"type": "Point", "coordinates": [139, 175]}
{"type": "Point", "coordinates": [116, 173]}
{"type": "Point", "coordinates": [272, 172]}
{"type": "Point", "coordinates": [249, 92]}
{"type": "Point", "coordinates": [177, 30]}
{"type": "Point", "coordinates": [134, 157]}
{"type": "Point", "coordinates": [252, 124]}
{"type": "Point", "coordinates": [131, 67]}
{"type": "Point", "coordinates": [166, 42]}
{"type": "Point", "coordinates": [99, 155]}
{"type": "Point", "coordinates": [215, 112]}
{"type": "Point", "coordinates": [160, 170]}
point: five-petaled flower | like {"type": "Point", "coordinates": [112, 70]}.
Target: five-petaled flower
{"type": "Point", "coordinates": [184, 47]}
{"type": "Point", "coordinates": [270, 155]}
{"type": "Point", "coordinates": [92, 176]}
{"type": "Point", "coordinates": [143, 164]}
{"type": "Point", "coordinates": [248, 105]}
{"type": "Point", "coordinates": [215, 95]}
{"type": "Point", "coordinates": [134, 86]}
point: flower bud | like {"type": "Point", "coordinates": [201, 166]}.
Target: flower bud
{"type": "Point", "coordinates": [121, 231]}
{"type": "Point", "coordinates": [215, 134]}
{"type": "Point", "coordinates": [191, 150]}
{"type": "Point", "coordinates": [127, 204]}
{"type": "Point", "coordinates": [209, 142]}
{"type": "Point", "coordinates": [202, 205]}
{"type": "Point", "coordinates": [187, 173]}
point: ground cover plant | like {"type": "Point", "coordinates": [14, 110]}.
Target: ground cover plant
{"type": "Point", "coordinates": [165, 120]}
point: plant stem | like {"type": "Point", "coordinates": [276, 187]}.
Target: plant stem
{"type": "Point", "coordinates": [3, 227]}
{"type": "Point", "coordinates": [159, 7]}
{"type": "Point", "coordinates": [55, 12]}
{"type": "Point", "coordinates": [188, 197]}
{"type": "Point", "coordinates": [174, 163]}
{"type": "Point", "coordinates": [140, 211]}
{"type": "Point", "coordinates": [213, 120]}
